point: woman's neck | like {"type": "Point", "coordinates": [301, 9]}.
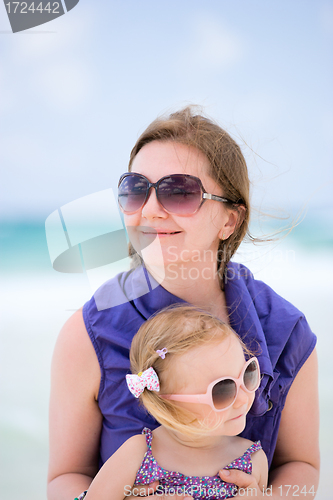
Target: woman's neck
{"type": "Point", "coordinates": [194, 284]}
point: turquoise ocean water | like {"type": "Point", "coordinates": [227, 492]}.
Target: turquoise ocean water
{"type": "Point", "coordinates": [36, 301]}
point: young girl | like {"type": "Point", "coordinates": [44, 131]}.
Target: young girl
{"type": "Point", "coordinates": [195, 376]}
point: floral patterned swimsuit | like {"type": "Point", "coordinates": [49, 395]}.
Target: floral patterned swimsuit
{"type": "Point", "coordinates": [206, 487]}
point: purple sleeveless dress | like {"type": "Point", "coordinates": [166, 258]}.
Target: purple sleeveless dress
{"type": "Point", "coordinates": [269, 325]}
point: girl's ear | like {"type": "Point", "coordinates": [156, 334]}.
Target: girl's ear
{"type": "Point", "coordinates": [235, 219]}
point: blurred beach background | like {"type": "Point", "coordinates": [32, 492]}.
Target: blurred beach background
{"type": "Point", "coordinates": [74, 96]}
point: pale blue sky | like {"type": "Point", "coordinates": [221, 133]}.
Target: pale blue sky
{"type": "Point", "coordinates": [75, 94]}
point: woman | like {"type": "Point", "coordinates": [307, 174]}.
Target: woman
{"type": "Point", "coordinates": [186, 227]}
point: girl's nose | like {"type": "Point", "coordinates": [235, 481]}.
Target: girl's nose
{"type": "Point", "coordinates": [242, 398]}
{"type": "Point", "coordinates": [152, 208]}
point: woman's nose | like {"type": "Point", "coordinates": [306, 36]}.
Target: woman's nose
{"type": "Point", "coordinates": [152, 208]}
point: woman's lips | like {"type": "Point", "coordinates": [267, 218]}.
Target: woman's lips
{"type": "Point", "coordinates": [159, 232]}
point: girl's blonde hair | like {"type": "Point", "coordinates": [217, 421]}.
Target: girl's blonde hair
{"type": "Point", "coordinates": [178, 328]}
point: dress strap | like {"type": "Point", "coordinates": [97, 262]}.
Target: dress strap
{"type": "Point", "coordinates": [149, 436]}
{"type": "Point", "coordinates": [244, 462]}
{"type": "Point", "coordinates": [254, 447]}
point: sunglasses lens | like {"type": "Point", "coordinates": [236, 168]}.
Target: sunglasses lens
{"type": "Point", "coordinates": [224, 393]}
{"type": "Point", "coordinates": [180, 194]}
{"type": "Point", "coordinates": [251, 376]}
{"type": "Point", "coordinates": [132, 192]}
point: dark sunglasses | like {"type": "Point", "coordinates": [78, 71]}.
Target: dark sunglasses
{"type": "Point", "coordinates": [179, 194]}
{"type": "Point", "coordinates": [222, 393]}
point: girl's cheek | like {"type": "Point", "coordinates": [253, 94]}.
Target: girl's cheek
{"type": "Point", "coordinates": [251, 400]}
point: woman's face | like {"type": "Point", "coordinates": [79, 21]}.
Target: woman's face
{"type": "Point", "coordinates": [187, 241]}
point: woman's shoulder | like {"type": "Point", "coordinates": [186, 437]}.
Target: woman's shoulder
{"type": "Point", "coordinates": [121, 290]}
{"type": "Point", "coordinates": [265, 300]}
{"type": "Point", "coordinates": [74, 332]}
{"type": "Point", "coordinates": [108, 294]}
{"type": "Point", "coordinates": [101, 311]}
{"type": "Point", "coordinates": [287, 334]}
{"type": "Point", "coordinates": [73, 350]}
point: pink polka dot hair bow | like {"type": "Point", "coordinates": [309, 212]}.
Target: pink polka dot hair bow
{"type": "Point", "coordinates": [147, 379]}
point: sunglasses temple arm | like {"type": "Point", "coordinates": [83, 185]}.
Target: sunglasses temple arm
{"type": "Point", "coordinates": [207, 196]}
{"type": "Point", "coordinates": [185, 398]}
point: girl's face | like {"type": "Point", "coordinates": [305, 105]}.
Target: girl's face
{"type": "Point", "coordinates": [182, 240]}
{"type": "Point", "coordinates": [193, 371]}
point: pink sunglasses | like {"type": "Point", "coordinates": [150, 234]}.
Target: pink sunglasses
{"type": "Point", "coordinates": [222, 393]}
